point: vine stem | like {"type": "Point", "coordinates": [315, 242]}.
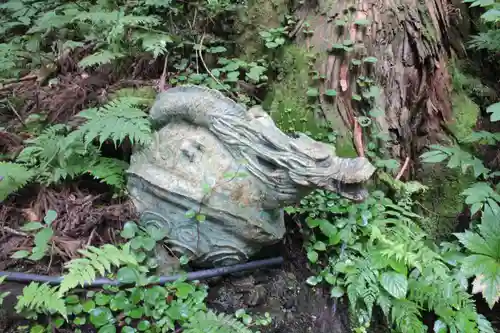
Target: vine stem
{"type": "Point", "coordinates": [403, 168]}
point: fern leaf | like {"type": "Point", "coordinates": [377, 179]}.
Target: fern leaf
{"type": "Point", "coordinates": [154, 43]}
{"type": "Point", "coordinates": [115, 121]}
{"type": "Point", "coordinates": [83, 270]}
{"type": "Point", "coordinates": [110, 171]}
{"type": "Point", "coordinates": [41, 298]}
{"type": "Point", "coordinates": [13, 177]}
{"type": "Point", "coordinates": [210, 322]}
{"type": "Point", "coordinates": [100, 57]}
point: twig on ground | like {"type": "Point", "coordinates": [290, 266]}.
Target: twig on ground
{"type": "Point", "coordinates": [403, 168]}
{"type": "Point", "coordinates": [14, 232]}
{"type": "Point", "coordinates": [16, 113]}
{"type": "Point", "coordinates": [24, 78]}
{"type": "Point", "coordinates": [91, 237]}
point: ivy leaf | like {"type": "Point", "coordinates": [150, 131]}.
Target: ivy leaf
{"type": "Point", "coordinates": [129, 230]}
{"type": "Point", "coordinates": [50, 216]}
{"type": "Point", "coordinates": [312, 256]}
{"type": "Point", "coordinates": [494, 109]}
{"type": "Point", "coordinates": [336, 292]}
{"type": "Point", "coordinates": [395, 284]}
{"type": "Point", "coordinates": [433, 156]}
{"type": "Point", "coordinates": [314, 280]}
{"type": "Point", "coordinates": [312, 92]}
{"type": "Point", "coordinates": [43, 236]}
{"type": "Point", "coordinates": [217, 49]}
{"type": "Point", "coordinates": [20, 254]}
{"type": "Point", "coordinates": [30, 226]}
{"type": "Point", "coordinates": [320, 246]}
{"type": "Point", "coordinates": [331, 92]}
{"type": "Point", "coordinates": [370, 60]}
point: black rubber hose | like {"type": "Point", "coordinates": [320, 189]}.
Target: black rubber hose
{"type": "Point", "coordinates": [198, 275]}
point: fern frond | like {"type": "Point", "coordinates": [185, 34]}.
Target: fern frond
{"type": "Point", "coordinates": [41, 298]}
{"type": "Point", "coordinates": [210, 322]}
{"type": "Point", "coordinates": [101, 260]}
{"type": "Point", "coordinates": [489, 41]}
{"type": "Point", "coordinates": [406, 315]}
{"type": "Point", "coordinates": [100, 57]}
{"type": "Point", "coordinates": [154, 43]}
{"type": "Point", "coordinates": [14, 176]}
{"type": "Point", "coordinates": [110, 171]}
{"type": "Point", "coordinates": [116, 121]}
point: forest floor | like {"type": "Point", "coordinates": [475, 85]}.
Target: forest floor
{"type": "Point", "coordinates": [87, 215]}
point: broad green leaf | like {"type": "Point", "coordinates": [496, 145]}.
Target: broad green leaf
{"type": "Point", "coordinates": [433, 157]}
{"type": "Point", "coordinates": [331, 92]}
{"type": "Point", "coordinates": [312, 256]}
{"type": "Point", "coordinates": [312, 92]}
{"type": "Point", "coordinates": [50, 216]}
{"type": "Point", "coordinates": [395, 284]}
{"type": "Point", "coordinates": [494, 109]}
{"type": "Point", "coordinates": [370, 60]}
{"type": "Point", "coordinates": [314, 280]}
{"type": "Point", "coordinates": [30, 226]}
{"type": "Point", "coordinates": [320, 246]}
{"type": "Point", "coordinates": [20, 254]}
{"type": "Point", "coordinates": [129, 230]}
{"type": "Point", "coordinates": [328, 229]}
{"type": "Point", "coordinates": [43, 236]}
{"type": "Point", "coordinates": [101, 316]}
{"type": "Point", "coordinates": [336, 292]}
{"type": "Point", "coordinates": [127, 275]}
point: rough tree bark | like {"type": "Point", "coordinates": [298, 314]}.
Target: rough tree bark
{"type": "Point", "coordinates": [411, 42]}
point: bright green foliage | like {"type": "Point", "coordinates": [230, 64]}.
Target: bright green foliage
{"type": "Point", "coordinates": [494, 111]}
{"type": "Point", "coordinates": [490, 39]}
{"type": "Point", "coordinates": [210, 322]}
{"type": "Point", "coordinates": [376, 254]}
{"type": "Point", "coordinates": [109, 171]}
{"type": "Point", "coordinates": [115, 121]}
{"type": "Point", "coordinates": [101, 260]}
{"type": "Point", "coordinates": [14, 176]}
{"type": "Point", "coordinates": [42, 238]}
{"type": "Point", "coordinates": [458, 158]}
{"type": "Point", "coordinates": [59, 153]}
{"type": "Point", "coordinates": [484, 259]}
{"type": "Point", "coordinates": [140, 307]}
{"type": "Point", "coordinates": [41, 298]}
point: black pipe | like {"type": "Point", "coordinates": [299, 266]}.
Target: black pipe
{"type": "Point", "coordinates": [198, 275]}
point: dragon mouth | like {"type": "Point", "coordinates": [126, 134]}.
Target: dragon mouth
{"type": "Point", "coordinates": [352, 191]}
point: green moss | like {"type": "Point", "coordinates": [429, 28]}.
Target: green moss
{"type": "Point", "coordinates": [465, 112]}
{"type": "Point", "coordinates": [443, 202]}
{"type": "Point", "coordinates": [259, 15]}
{"type": "Point", "coordinates": [344, 146]}
{"type": "Point", "coordinates": [289, 105]}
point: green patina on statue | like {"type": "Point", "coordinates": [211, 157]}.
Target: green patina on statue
{"type": "Point", "coordinates": [214, 157]}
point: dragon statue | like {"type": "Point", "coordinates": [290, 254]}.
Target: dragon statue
{"type": "Point", "coordinates": [217, 175]}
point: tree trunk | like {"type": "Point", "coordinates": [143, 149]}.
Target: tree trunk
{"type": "Point", "coordinates": [410, 41]}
